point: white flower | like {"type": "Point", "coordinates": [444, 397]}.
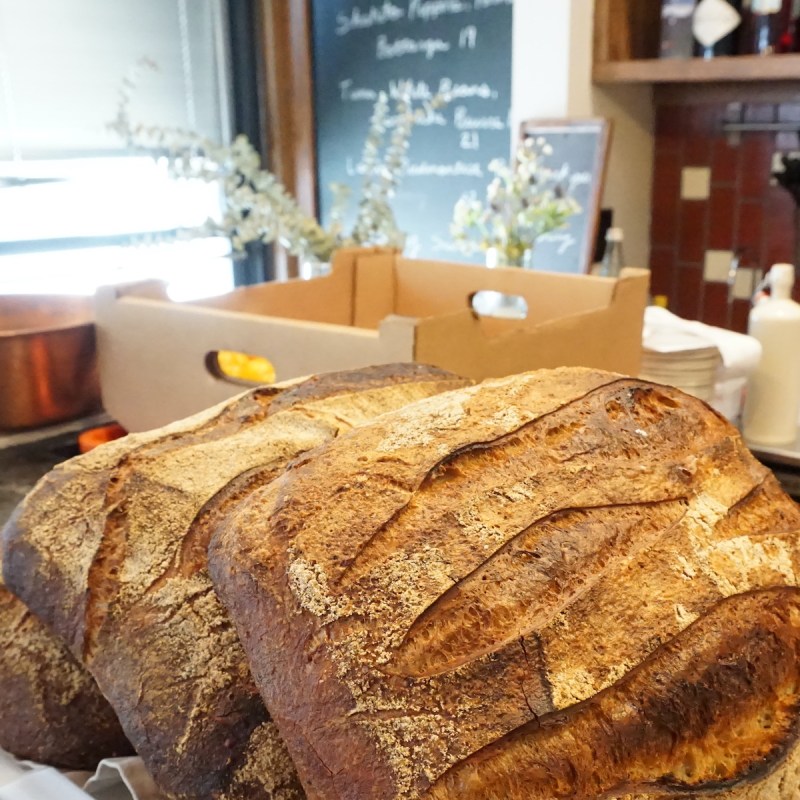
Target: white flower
{"type": "Point", "coordinates": [522, 203]}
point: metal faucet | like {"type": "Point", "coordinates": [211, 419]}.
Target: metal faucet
{"type": "Point", "coordinates": [733, 269]}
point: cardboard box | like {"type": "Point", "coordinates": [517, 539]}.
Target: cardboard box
{"type": "Point", "coordinates": [156, 356]}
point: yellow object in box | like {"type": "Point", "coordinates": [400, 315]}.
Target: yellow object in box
{"type": "Point", "coordinates": [243, 367]}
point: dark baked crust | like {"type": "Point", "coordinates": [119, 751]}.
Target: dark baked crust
{"type": "Point", "coordinates": [51, 710]}
{"type": "Point", "coordinates": [142, 613]}
{"type": "Point", "coordinates": [428, 584]}
{"type": "Point", "coordinates": [714, 708]}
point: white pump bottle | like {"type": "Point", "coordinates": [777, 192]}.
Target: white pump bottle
{"type": "Point", "coordinates": [773, 395]}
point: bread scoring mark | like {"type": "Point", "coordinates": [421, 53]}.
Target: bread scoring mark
{"type": "Point", "coordinates": [350, 567]}
{"type": "Point", "coordinates": [192, 555]}
{"type": "Point", "coordinates": [716, 707]}
{"type": "Point", "coordinates": [521, 587]}
{"type": "Point", "coordinates": [610, 626]}
{"type": "Point", "coordinates": [103, 579]}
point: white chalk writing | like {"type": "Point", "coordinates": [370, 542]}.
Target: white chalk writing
{"type": "Point", "coordinates": [354, 94]}
{"type": "Point", "coordinates": [375, 15]}
{"type": "Point", "coordinates": [459, 91]}
{"type": "Point", "coordinates": [463, 121]}
{"type": "Point", "coordinates": [433, 9]}
{"type": "Point", "coordinates": [468, 38]}
{"type": "Point", "coordinates": [470, 140]}
{"type": "Point", "coordinates": [413, 90]}
{"type": "Point", "coordinates": [386, 49]}
{"type": "Point", "coordinates": [563, 240]}
{"type": "Point", "coordinates": [460, 169]}
{"type": "Point", "coordinates": [573, 180]}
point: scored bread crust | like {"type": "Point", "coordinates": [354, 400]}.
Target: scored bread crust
{"type": "Point", "coordinates": [469, 570]}
{"type": "Point", "coordinates": [51, 710]}
{"type": "Point", "coordinates": [136, 601]}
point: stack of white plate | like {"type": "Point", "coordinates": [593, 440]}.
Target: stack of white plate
{"type": "Point", "coordinates": [681, 359]}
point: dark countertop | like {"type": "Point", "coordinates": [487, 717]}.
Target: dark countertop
{"type": "Point", "coordinates": [26, 456]}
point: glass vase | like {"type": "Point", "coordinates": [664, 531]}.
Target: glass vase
{"type": "Point", "coordinates": [309, 267]}
{"type": "Point", "coordinates": [498, 257]}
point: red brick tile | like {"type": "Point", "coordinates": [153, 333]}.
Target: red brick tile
{"type": "Point", "coordinates": [789, 112]}
{"type": "Point", "coordinates": [688, 292]}
{"type": "Point", "coordinates": [756, 164]}
{"type": "Point", "coordinates": [666, 198]}
{"type": "Point", "coordinates": [750, 230]}
{"type": "Point", "coordinates": [692, 231]}
{"type": "Point", "coordinates": [724, 160]}
{"type": "Point", "coordinates": [704, 119]}
{"type": "Point", "coordinates": [739, 315]}
{"type": "Point", "coordinates": [662, 270]}
{"type": "Point", "coordinates": [703, 124]}
{"type": "Point", "coordinates": [721, 218]}
{"type": "Point", "coordinates": [715, 305]}
{"type": "Point", "coordinates": [780, 234]}
{"type": "Point", "coordinates": [670, 127]}
{"type": "Point", "coordinates": [697, 150]}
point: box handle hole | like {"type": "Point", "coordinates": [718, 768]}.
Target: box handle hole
{"type": "Point", "coordinates": [487, 303]}
{"type": "Point", "coordinates": [242, 369]}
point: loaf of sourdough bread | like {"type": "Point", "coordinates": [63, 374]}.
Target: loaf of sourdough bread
{"type": "Point", "coordinates": [111, 550]}
{"type": "Point", "coordinates": [51, 710]}
{"type": "Point", "coordinates": [564, 584]}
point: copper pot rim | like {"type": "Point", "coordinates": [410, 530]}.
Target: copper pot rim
{"type": "Point", "coordinates": [26, 315]}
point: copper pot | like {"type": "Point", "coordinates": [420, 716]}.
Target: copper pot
{"type": "Point", "coordinates": [48, 363]}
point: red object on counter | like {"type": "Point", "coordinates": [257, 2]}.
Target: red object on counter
{"type": "Point", "coordinates": [768, 27]}
{"type": "Point", "coordinates": [94, 437]}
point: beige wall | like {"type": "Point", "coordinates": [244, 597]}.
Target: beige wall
{"type": "Point", "coordinates": [551, 77]}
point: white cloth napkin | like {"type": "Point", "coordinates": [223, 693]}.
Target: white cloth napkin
{"type": "Point", "coordinates": [740, 353]}
{"type": "Point", "coordinates": [114, 779]}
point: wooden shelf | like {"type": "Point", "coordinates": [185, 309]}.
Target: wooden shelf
{"type": "Point", "coordinates": [733, 69]}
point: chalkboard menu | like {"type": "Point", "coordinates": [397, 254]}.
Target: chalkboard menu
{"type": "Point", "coordinates": [460, 46]}
{"type": "Point", "coordinates": [579, 155]}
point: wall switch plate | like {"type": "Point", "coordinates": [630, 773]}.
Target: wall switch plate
{"type": "Point", "coordinates": [717, 265]}
{"type": "Point", "coordinates": [695, 183]}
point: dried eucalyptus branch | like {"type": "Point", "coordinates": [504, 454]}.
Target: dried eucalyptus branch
{"type": "Point", "coordinates": [257, 205]}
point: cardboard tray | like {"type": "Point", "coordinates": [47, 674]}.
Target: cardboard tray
{"type": "Point", "coordinates": [157, 357]}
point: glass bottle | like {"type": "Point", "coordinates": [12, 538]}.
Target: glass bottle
{"type": "Point", "coordinates": [676, 28]}
{"type": "Point", "coordinates": [613, 259]}
{"type": "Point", "coordinates": [764, 24]}
{"type": "Point", "coordinates": [773, 395]}
{"type": "Point", "coordinates": [715, 25]}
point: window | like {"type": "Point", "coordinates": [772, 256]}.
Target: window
{"type": "Point", "coordinates": [76, 209]}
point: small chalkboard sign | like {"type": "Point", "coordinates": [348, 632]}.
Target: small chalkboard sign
{"type": "Point", "coordinates": [580, 151]}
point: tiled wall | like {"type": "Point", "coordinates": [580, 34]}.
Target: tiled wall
{"type": "Point", "coordinates": [711, 197]}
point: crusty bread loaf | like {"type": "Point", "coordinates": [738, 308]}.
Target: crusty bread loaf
{"type": "Point", "coordinates": [51, 710]}
{"type": "Point", "coordinates": [562, 584]}
{"type": "Point", "coordinates": [111, 550]}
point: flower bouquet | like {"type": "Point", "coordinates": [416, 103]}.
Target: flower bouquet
{"type": "Point", "coordinates": [523, 202]}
